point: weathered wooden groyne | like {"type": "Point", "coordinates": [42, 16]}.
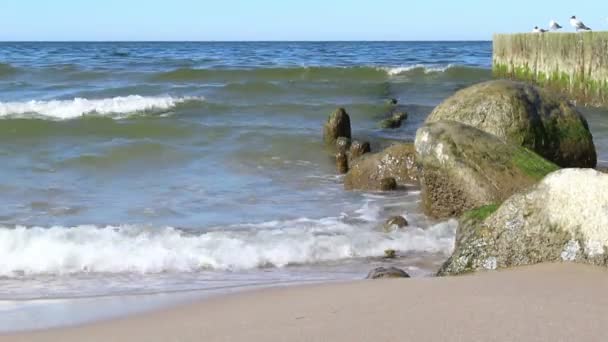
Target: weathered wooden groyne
{"type": "Point", "coordinates": [573, 63]}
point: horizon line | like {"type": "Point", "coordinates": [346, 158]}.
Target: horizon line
{"type": "Point", "coordinates": [244, 41]}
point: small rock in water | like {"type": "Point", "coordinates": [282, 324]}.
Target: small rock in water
{"type": "Point", "coordinates": [357, 149]}
{"type": "Point", "coordinates": [390, 254]}
{"type": "Point", "coordinates": [388, 184]}
{"type": "Point", "coordinates": [383, 272]}
{"type": "Point", "coordinates": [393, 101]}
{"type": "Point", "coordinates": [395, 222]}
{"type": "Point", "coordinates": [394, 121]}
{"type": "Point", "coordinates": [341, 163]}
{"type": "Point", "coordinates": [338, 125]}
{"type": "Point", "coordinates": [343, 145]}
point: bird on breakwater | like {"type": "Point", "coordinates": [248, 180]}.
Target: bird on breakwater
{"type": "Point", "coordinates": [578, 25]}
{"type": "Point", "coordinates": [554, 26]}
{"type": "Point", "coordinates": [538, 30]}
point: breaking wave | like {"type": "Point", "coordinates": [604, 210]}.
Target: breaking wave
{"type": "Point", "coordinates": [68, 109]}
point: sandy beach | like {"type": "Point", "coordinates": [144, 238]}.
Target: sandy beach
{"type": "Point", "coordinates": [552, 302]}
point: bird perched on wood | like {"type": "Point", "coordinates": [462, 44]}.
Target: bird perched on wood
{"type": "Point", "coordinates": [554, 26]}
{"type": "Point", "coordinates": [578, 25]}
{"type": "Point", "coordinates": [538, 30]}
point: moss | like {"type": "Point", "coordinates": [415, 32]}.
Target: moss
{"type": "Point", "coordinates": [532, 164]}
{"type": "Point", "coordinates": [481, 213]}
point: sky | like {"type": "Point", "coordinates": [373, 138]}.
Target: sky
{"type": "Point", "coordinates": [206, 20]}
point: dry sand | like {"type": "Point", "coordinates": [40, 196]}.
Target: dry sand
{"type": "Point", "coordinates": [554, 302]}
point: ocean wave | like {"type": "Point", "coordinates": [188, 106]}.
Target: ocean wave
{"type": "Point", "coordinates": [30, 251]}
{"type": "Point", "coordinates": [394, 71]}
{"type": "Point", "coordinates": [68, 109]}
{"type": "Point", "coordinates": [7, 70]}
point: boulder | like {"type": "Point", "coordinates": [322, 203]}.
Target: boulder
{"type": "Point", "coordinates": [337, 125]}
{"type": "Point", "coordinates": [390, 272]}
{"type": "Point", "coordinates": [343, 145]}
{"type": "Point", "coordinates": [396, 161]}
{"type": "Point", "coordinates": [563, 218]}
{"type": "Point", "coordinates": [463, 168]}
{"type": "Point", "coordinates": [341, 163]}
{"type": "Point", "coordinates": [357, 149]}
{"type": "Point", "coordinates": [524, 115]}
{"type": "Point", "coordinates": [395, 223]}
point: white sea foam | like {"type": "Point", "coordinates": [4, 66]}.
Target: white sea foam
{"type": "Point", "coordinates": [425, 68]}
{"type": "Point", "coordinates": [134, 249]}
{"type": "Point", "coordinates": [67, 109]}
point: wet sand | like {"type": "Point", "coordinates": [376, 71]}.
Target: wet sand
{"type": "Point", "coordinates": [552, 302]}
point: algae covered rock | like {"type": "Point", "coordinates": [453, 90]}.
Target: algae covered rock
{"type": "Point", "coordinates": [337, 125]}
{"type": "Point", "coordinates": [396, 161]}
{"type": "Point", "coordinates": [563, 218]}
{"type": "Point", "coordinates": [357, 149]}
{"type": "Point", "coordinates": [463, 168]}
{"type": "Point", "coordinates": [384, 272]}
{"type": "Point", "coordinates": [394, 121]}
{"type": "Point", "coordinates": [524, 115]}
{"type": "Point", "coordinates": [341, 163]}
{"type": "Point", "coordinates": [388, 184]}
{"type": "Point", "coordinates": [395, 223]}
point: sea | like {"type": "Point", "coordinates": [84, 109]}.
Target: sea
{"type": "Point", "coordinates": [143, 169]}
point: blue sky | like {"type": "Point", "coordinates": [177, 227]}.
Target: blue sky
{"type": "Point", "coordinates": [285, 19]}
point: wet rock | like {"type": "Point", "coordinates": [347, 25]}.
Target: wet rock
{"type": "Point", "coordinates": [463, 168]}
{"type": "Point", "coordinates": [343, 145]}
{"type": "Point", "coordinates": [523, 115]}
{"type": "Point", "coordinates": [394, 121]}
{"type": "Point", "coordinates": [384, 273]}
{"type": "Point", "coordinates": [563, 218]}
{"type": "Point", "coordinates": [395, 223]}
{"type": "Point", "coordinates": [358, 149]}
{"type": "Point", "coordinates": [337, 125]}
{"type": "Point", "coordinates": [396, 161]}
{"type": "Point", "coordinates": [390, 254]}
{"type": "Point", "coordinates": [388, 184]}
{"type": "Point", "coordinates": [341, 163]}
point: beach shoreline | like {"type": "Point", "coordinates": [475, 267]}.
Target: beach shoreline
{"type": "Point", "coordinates": [558, 302]}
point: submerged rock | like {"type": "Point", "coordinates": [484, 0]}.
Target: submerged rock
{"type": "Point", "coordinates": [524, 115]}
{"type": "Point", "coordinates": [388, 184]}
{"type": "Point", "coordinates": [563, 218]}
{"type": "Point", "coordinates": [397, 161]}
{"type": "Point", "coordinates": [395, 223]}
{"type": "Point", "coordinates": [337, 125]}
{"type": "Point", "coordinates": [390, 272]}
{"type": "Point", "coordinates": [394, 121]}
{"type": "Point", "coordinates": [463, 168]}
{"type": "Point", "coordinates": [357, 149]}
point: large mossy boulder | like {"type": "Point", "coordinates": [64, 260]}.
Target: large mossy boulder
{"type": "Point", "coordinates": [370, 171]}
{"type": "Point", "coordinates": [525, 115]}
{"type": "Point", "coordinates": [563, 218]}
{"type": "Point", "coordinates": [462, 167]}
{"type": "Point", "coordinates": [337, 125]}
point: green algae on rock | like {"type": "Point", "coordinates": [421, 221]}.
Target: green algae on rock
{"type": "Point", "coordinates": [462, 168]}
{"type": "Point", "coordinates": [337, 125]}
{"type": "Point", "coordinates": [524, 115]}
{"type": "Point", "coordinates": [368, 171]}
{"type": "Point", "coordinates": [563, 218]}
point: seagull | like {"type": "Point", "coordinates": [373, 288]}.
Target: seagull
{"type": "Point", "coordinates": [538, 30]}
{"type": "Point", "coordinates": [578, 25]}
{"type": "Point", "coordinates": [554, 26]}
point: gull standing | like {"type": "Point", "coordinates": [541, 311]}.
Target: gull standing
{"type": "Point", "coordinates": [554, 26]}
{"type": "Point", "coordinates": [578, 25]}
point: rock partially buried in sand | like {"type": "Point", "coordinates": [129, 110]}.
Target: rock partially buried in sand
{"type": "Point", "coordinates": [463, 168]}
{"type": "Point", "coordinates": [394, 121]}
{"type": "Point", "coordinates": [397, 161]}
{"type": "Point", "coordinates": [337, 125]}
{"type": "Point", "coordinates": [395, 223]}
{"type": "Point", "coordinates": [341, 163]}
{"type": "Point", "coordinates": [523, 115]}
{"type": "Point", "coordinates": [563, 218]}
{"type": "Point", "coordinates": [385, 273]}
{"type": "Point", "coordinates": [358, 149]}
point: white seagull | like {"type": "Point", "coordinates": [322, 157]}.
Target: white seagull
{"type": "Point", "coordinates": [578, 25]}
{"type": "Point", "coordinates": [538, 30]}
{"type": "Point", "coordinates": [554, 26]}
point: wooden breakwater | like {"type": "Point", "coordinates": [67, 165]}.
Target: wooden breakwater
{"type": "Point", "coordinates": [573, 63]}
